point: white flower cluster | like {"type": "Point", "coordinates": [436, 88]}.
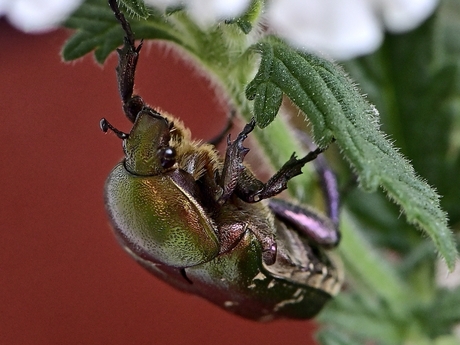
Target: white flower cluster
{"type": "Point", "coordinates": [341, 29]}
{"type": "Point", "coordinates": [37, 15]}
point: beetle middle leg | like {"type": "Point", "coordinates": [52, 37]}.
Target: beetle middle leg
{"type": "Point", "coordinates": [237, 178]}
{"type": "Point", "coordinates": [278, 182]}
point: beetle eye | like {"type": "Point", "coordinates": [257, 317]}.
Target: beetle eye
{"type": "Point", "coordinates": [168, 157]}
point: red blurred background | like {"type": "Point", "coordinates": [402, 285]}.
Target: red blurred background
{"type": "Point", "coordinates": [64, 279]}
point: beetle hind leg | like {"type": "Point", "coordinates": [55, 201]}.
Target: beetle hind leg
{"type": "Point", "coordinates": [329, 188]}
{"type": "Point", "coordinates": [319, 229]}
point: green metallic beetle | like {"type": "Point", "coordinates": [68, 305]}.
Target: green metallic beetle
{"type": "Point", "coordinates": [207, 225]}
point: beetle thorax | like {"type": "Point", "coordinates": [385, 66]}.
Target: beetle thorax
{"type": "Point", "coordinates": [143, 147]}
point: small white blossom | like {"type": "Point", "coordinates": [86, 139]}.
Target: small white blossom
{"type": "Point", "coordinates": [206, 12]}
{"type": "Point", "coordinates": [37, 15]}
{"type": "Point", "coordinates": [404, 15]}
{"type": "Point", "coordinates": [344, 29]}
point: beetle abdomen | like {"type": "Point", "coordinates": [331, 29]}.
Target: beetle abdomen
{"type": "Point", "coordinates": [296, 286]}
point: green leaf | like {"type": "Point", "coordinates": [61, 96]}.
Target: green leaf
{"type": "Point", "coordinates": [268, 104]}
{"type": "Point", "coordinates": [135, 8]}
{"type": "Point", "coordinates": [98, 30]}
{"type": "Point", "coordinates": [418, 95]}
{"type": "Point", "coordinates": [337, 110]}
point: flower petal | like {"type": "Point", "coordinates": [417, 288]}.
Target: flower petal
{"type": "Point", "coordinates": [340, 28]}
{"type": "Point", "coordinates": [206, 12]}
{"type": "Point", "coordinates": [405, 15]}
{"type": "Point", "coordinates": [39, 15]}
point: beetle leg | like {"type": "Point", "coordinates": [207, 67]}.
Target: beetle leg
{"type": "Point", "coordinates": [235, 219]}
{"type": "Point", "coordinates": [322, 230]}
{"type": "Point", "coordinates": [319, 229]}
{"type": "Point", "coordinates": [330, 189]}
{"type": "Point", "coordinates": [328, 182]}
{"type": "Point", "coordinates": [126, 68]}
{"type": "Point", "coordinates": [233, 164]}
{"type": "Point", "coordinates": [252, 190]}
{"type": "Point", "coordinates": [231, 234]}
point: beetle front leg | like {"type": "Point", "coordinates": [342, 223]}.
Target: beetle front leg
{"type": "Point", "coordinates": [126, 68]}
{"type": "Point", "coordinates": [237, 178]}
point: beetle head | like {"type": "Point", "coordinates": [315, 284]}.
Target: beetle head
{"type": "Point", "coordinates": [147, 150]}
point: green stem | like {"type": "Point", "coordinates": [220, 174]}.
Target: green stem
{"type": "Point", "coordinates": [371, 269]}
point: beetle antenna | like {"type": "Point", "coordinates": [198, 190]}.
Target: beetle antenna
{"type": "Point", "coordinates": [105, 126]}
